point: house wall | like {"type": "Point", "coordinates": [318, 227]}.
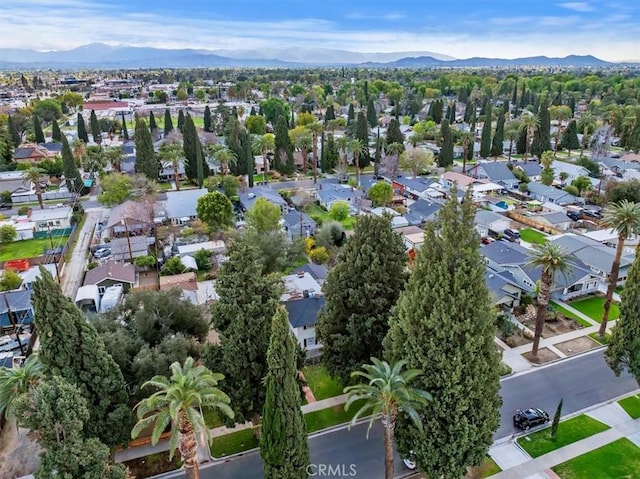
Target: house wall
{"type": "Point", "coordinates": [111, 282]}
{"type": "Point", "coordinates": [581, 288]}
{"type": "Point", "coordinates": [304, 335]}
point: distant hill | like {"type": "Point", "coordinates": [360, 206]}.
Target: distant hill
{"type": "Point", "coordinates": [100, 55]}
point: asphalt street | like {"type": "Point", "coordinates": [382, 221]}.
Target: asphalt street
{"type": "Point", "coordinates": [582, 382]}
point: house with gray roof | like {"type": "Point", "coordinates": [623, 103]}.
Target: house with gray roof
{"type": "Point", "coordinates": [180, 206]}
{"type": "Point", "coordinates": [532, 169]}
{"type": "Point", "coordinates": [15, 308]}
{"type": "Point", "coordinates": [414, 188]}
{"type": "Point", "coordinates": [51, 218]}
{"type": "Point", "coordinates": [504, 291]}
{"type": "Point", "coordinates": [111, 273]}
{"type": "Point", "coordinates": [558, 220]}
{"type": "Point", "coordinates": [332, 193]}
{"type": "Point", "coordinates": [167, 173]}
{"type": "Point", "coordinates": [544, 193]}
{"type": "Point", "coordinates": [422, 211]}
{"type": "Point", "coordinates": [298, 224]}
{"type": "Point", "coordinates": [496, 172]}
{"type": "Point", "coordinates": [572, 171]}
{"type": "Point", "coordinates": [250, 195]}
{"type": "Point", "coordinates": [487, 221]}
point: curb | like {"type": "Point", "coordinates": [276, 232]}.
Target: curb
{"type": "Point", "coordinates": [554, 362]}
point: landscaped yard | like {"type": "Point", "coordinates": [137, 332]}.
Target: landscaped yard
{"type": "Point", "coordinates": [592, 307]}
{"type": "Point", "coordinates": [570, 315]}
{"type": "Point", "coordinates": [29, 248]}
{"type": "Point", "coordinates": [488, 468]}
{"type": "Point", "coordinates": [532, 236]}
{"type": "Point", "coordinates": [233, 443]}
{"type": "Point", "coordinates": [596, 337]}
{"type": "Point", "coordinates": [321, 383]}
{"type": "Point", "coordinates": [570, 431]}
{"type": "Point", "coordinates": [331, 416]}
{"type": "Point", "coordinates": [617, 460]}
{"type": "Point", "coordinates": [317, 212]}
{"type": "Point", "coordinates": [631, 405]}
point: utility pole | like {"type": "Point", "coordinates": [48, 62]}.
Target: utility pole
{"type": "Point", "coordinates": [53, 253]}
{"type": "Point", "coordinates": [126, 230]}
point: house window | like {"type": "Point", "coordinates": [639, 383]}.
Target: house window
{"type": "Point", "coordinates": [101, 290]}
{"type": "Point", "coordinates": [310, 342]}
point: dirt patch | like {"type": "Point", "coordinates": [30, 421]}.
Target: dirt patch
{"type": "Point", "coordinates": [153, 465]}
{"type": "Point", "coordinates": [558, 326]}
{"type": "Point", "coordinates": [514, 339]}
{"type": "Point", "coordinates": [578, 345]}
{"type": "Point", "coordinates": [19, 455]}
{"type": "Point", "coordinates": [544, 356]}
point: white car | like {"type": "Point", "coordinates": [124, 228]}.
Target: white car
{"type": "Point", "coordinates": [410, 462]}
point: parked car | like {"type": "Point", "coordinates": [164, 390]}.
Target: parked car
{"type": "Point", "coordinates": [410, 461]}
{"type": "Point", "coordinates": [5, 206]}
{"type": "Point", "coordinates": [529, 418]}
{"type": "Point", "coordinates": [102, 253]}
{"type": "Point", "coordinates": [511, 235]}
{"type": "Point", "coordinates": [574, 215]}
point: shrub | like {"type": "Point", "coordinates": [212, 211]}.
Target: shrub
{"type": "Point", "coordinates": [319, 255]}
{"type": "Point", "coordinates": [339, 211]}
{"type": "Point", "coordinates": [23, 210]}
{"type": "Point", "coordinates": [93, 264]}
{"type": "Point", "coordinates": [203, 260]}
{"type": "Point", "coordinates": [526, 300]}
{"type": "Point", "coordinates": [145, 261]}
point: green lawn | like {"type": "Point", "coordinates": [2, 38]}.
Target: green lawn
{"type": "Point", "coordinates": [211, 418]}
{"type": "Point", "coordinates": [617, 460]}
{"type": "Point", "coordinates": [532, 236]}
{"type": "Point", "coordinates": [164, 186]}
{"type": "Point", "coordinates": [569, 314]}
{"type": "Point", "coordinates": [29, 248]}
{"type": "Point", "coordinates": [317, 212]}
{"type": "Point", "coordinates": [488, 468]}
{"type": "Point", "coordinates": [332, 416]}
{"type": "Point", "coordinates": [570, 431]}
{"type": "Point", "coordinates": [596, 337]}
{"type": "Point", "coordinates": [592, 307]}
{"type": "Point", "coordinates": [631, 405]}
{"type": "Point", "coordinates": [321, 383]}
{"type": "Point", "coordinates": [233, 443]}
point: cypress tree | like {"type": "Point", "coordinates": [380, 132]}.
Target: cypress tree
{"type": "Point", "coordinates": [234, 141]}
{"type": "Point", "coordinates": [323, 153]}
{"type": "Point", "coordinates": [351, 114]}
{"type": "Point", "coordinates": [152, 122]}
{"type": "Point", "coordinates": [245, 140]}
{"type": "Point", "coordinates": [570, 137]}
{"type": "Point", "coordinates": [443, 324]}
{"type": "Point", "coordinates": [496, 144]}
{"type": "Point", "coordinates": [13, 133]}
{"type": "Point", "coordinates": [71, 173]}
{"type": "Point", "coordinates": [378, 158]}
{"type": "Point", "coordinates": [207, 119]}
{"type": "Point", "coordinates": [332, 153]}
{"type": "Point", "coordinates": [283, 446]}
{"type": "Point", "coordinates": [467, 111]}
{"type": "Point", "coordinates": [445, 158]}
{"type": "Point", "coordinates": [71, 347]}
{"type": "Point", "coordinates": [168, 122]}
{"type": "Point", "coordinates": [485, 138]}
{"type": "Point", "coordinates": [451, 113]}
{"type": "Point", "coordinates": [252, 112]}
{"type": "Point", "coordinates": [146, 162]}
{"type": "Point", "coordinates": [284, 149]}
{"type": "Point", "coordinates": [329, 114]}
{"type": "Point", "coordinates": [542, 136]}
{"type": "Point", "coordinates": [56, 134]}
{"type": "Point", "coordinates": [82, 129]}
{"type": "Point", "coordinates": [523, 99]}
{"type": "Point", "coordinates": [366, 92]}
{"type": "Point", "coordinates": [362, 134]}
{"type": "Point", "coordinates": [242, 317]}
{"type": "Point", "coordinates": [192, 149]}
{"type": "Point", "coordinates": [514, 95]}
{"type": "Point", "coordinates": [95, 128]}
{"type": "Point", "coordinates": [437, 110]}
{"type": "Point", "coordinates": [394, 135]}
{"type": "Point", "coordinates": [521, 142]}
{"type": "Point", "coordinates": [37, 129]}
{"type": "Point", "coordinates": [125, 128]}
{"type": "Point", "coordinates": [180, 120]}
{"type": "Point", "coordinates": [372, 116]}
{"type": "Point", "coordinates": [359, 296]}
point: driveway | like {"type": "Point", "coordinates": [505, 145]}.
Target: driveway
{"type": "Point", "coordinates": [73, 272]}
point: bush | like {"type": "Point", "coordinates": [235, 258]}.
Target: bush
{"type": "Point", "coordinates": [319, 255]}
{"type": "Point", "coordinates": [145, 261]}
{"type": "Point", "coordinates": [203, 260]}
{"type": "Point", "coordinates": [23, 210]}
{"type": "Point", "coordinates": [526, 300]}
{"type": "Point", "coordinates": [339, 211]}
{"type": "Point", "coordinates": [93, 264]}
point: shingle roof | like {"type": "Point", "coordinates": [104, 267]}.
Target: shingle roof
{"type": "Point", "coordinates": [497, 171]}
{"type": "Point", "coordinates": [19, 300]}
{"type": "Point", "coordinates": [114, 270]}
{"type": "Point", "coordinates": [304, 312]}
{"type": "Point", "coordinates": [182, 204]}
{"type": "Point", "coordinates": [501, 252]}
{"type": "Point", "coordinates": [486, 217]}
{"type": "Point", "coordinates": [551, 192]}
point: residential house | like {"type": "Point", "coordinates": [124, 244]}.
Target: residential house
{"type": "Point", "coordinates": [422, 211]}
{"type": "Point", "coordinates": [124, 249]}
{"type": "Point", "coordinates": [332, 193]}
{"type": "Point", "coordinates": [30, 275]}
{"type": "Point", "coordinates": [544, 193]}
{"type": "Point", "coordinates": [487, 221]}
{"type": "Point", "coordinates": [303, 300]}
{"type": "Point", "coordinates": [180, 206]}
{"type": "Point", "coordinates": [557, 220]}
{"type": "Point", "coordinates": [187, 283]}
{"type": "Point", "coordinates": [532, 169]}
{"type": "Point", "coordinates": [496, 172]}
{"type": "Point", "coordinates": [412, 236]}
{"type": "Point", "coordinates": [249, 197]}
{"type": "Point", "coordinates": [214, 247]}
{"type": "Point", "coordinates": [53, 147]}
{"type": "Point", "coordinates": [298, 224]}
{"type": "Point", "coordinates": [413, 188]}
{"type": "Point", "coordinates": [168, 174]}
{"type": "Point", "coordinates": [24, 228]}
{"type": "Point", "coordinates": [51, 218]}
{"type": "Point", "coordinates": [32, 154]}
{"type": "Point", "coordinates": [504, 291]}
{"type": "Point", "coordinates": [397, 220]}
{"type": "Point", "coordinates": [15, 308]}
{"type": "Point", "coordinates": [572, 171]}
{"type": "Point", "coordinates": [480, 187]}
{"type": "Point", "coordinates": [131, 218]}
{"type": "Point", "coordinates": [111, 273]}
{"type": "Point", "coordinates": [15, 183]}
{"type": "Point", "coordinates": [609, 238]}
{"type": "Point", "coordinates": [317, 271]}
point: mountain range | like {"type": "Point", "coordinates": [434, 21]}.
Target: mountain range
{"type": "Point", "coordinates": [100, 55]}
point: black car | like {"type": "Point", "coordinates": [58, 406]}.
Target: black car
{"type": "Point", "coordinates": [512, 235]}
{"type": "Point", "coordinates": [529, 418]}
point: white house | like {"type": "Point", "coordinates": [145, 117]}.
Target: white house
{"type": "Point", "coordinates": [303, 300]}
{"type": "Point", "coordinates": [487, 221]}
{"type": "Point", "coordinates": [51, 218]}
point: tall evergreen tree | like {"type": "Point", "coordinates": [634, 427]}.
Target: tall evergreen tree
{"type": "Point", "coordinates": [146, 162]}
{"type": "Point", "coordinates": [570, 137]}
{"type": "Point", "coordinates": [283, 445]}
{"type": "Point", "coordinates": [82, 128]}
{"type": "Point", "coordinates": [514, 95]}
{"type": "Point", "coordinates": [70, 347]}
{"type": "Point", "coordinates": [95, 127]}
{"type": "Point", "coordinates": [362, 134]}
{"type": "Point", "coordinates": [284, 149]}
{"type": "Point", "coordinates": [332, 154]}
{"type": "Point", "coordinates": [69, 168]}
{"type": "Point", "coordinates": [351, 114]}
{"type": "Point", "coordinates": [521, 142]}
{"type": "Point", "coordinates": [443, 324]}
{"type": "Point", "coordinates": [445, 158]}
{"type": "Point", "coordinates": [359, 294]}
{"type": "Point", "coordinates": [242, 317]}
{"type": "Point", "coordinates": [394, 135]}
{"type": "Point", "coordinates": [245, 140]}
{"type": "Point", "coordinates": [329, 114]}
{"type": "Point", "coordinates": [485, 138]}
{"type": "Point", "coordinates": [372, 116]}
{"type": "Point", "coordinates": [13, 133]}
{"type": "Point", "coordinates": [152, 122]}
{"type": "Point", "coordinates": [37, 129]}
{"type": "Point", "coordinates": [207, 119]}
{"type": "Point", "coordinates": [451, 113]}
{"type": "Point", "coordinates": [56, 134]}
{"type": "Point", "coordinates": [125, 128]}
{"type": "Point", "coordinates": [234, 141]}
{"type": "Point", "coordinates": [168, 122]}
{"type": "Point", "coordinates": [194, 165]}
{"type": "Point", "coordinates": [181, 120]}
{"type": "Point", "coordinates": [542, 136]}
{"type": "Point", "coordinates": [498, 138]}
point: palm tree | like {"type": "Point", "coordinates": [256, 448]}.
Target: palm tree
{"type": "Point", "coordinates": [624, 218]}
{"type": "Point", "coordinates": [79, 149]}
{"type": "Point", "coordinates": [357, 147]}
{"type": "Point", "coordinates": [171, 153]}
{"type": "Point", "coordinates": [587, 122]}
{"type": "Point", "coordinates": [115, 156]}
{"type": "Point", "coordinates": [531, 123]}
{"type": "Point", "coordinates": [18, 380]}
{"type": "Point", "coordinates": [316, 127]}
{"type": "Point", "coordinates": [226, 157]}
{"type": "Point", "coordinates": [387, 392]}
{"type": "Point", "coordinates": [559, 112]}
{"type": "Point", "coordinates": [511, 134]}
{"type": "Point", "coordinates": [303, 143]}
{"type": "Point", "coordinates": [263, 144]}
{"type": "Point", "coordinates": [34, 175]}
{"type": "Point", "coordinates": [466, 139]}
{"type": "Point", "coordinates": [394, 150]}
{"type": "Point", "coordinates": [546, 159]}
{"type": "Point", "coordinates": [178, 401]}
{"type": "Point", "coordinates": [551, 258]}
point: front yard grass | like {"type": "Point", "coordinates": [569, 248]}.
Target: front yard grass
{"type": "Point", "coordinates": [233, 443]}
{"type": "Point", "coordinates": [631, 405]}
{"type": "Point", "coordinates": [488, 468]}
{"type": "Point", "coordinates": [331, 416]}
{"type": "Point", "coordinates": [321, 383]}
{"type": "Point", "coordinates": [318, 213]}
{"type": "Point", "coordinates": [571, 315]}
{"type": "Point", "coordinates": [617, 460]}
{"type": "Point", "coordinates": [596, 337]}
{"type": "Point", "coordinates": [592, 307]}
{"type": "Point", "coordinates": [532, 236]}
{"type": "Point", "coordinates": [540, 442]}
{"type": "Point", "coordinates": [29, 248]}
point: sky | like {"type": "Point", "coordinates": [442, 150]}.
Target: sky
{"type": "Point", "coordinates": [609, 30]}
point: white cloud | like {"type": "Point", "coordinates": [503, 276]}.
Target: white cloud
{"type": "Point", "coordinates": [577, 6]}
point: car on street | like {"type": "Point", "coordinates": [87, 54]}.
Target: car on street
{"type": "Point", "coordinates": [529, 418]}
{"type": "Point", "coordinates": [487, 240]}
{"type": "Point", "coordinates": [410, 461]}
{"type": "Point", "coordinates": [102, 253]}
